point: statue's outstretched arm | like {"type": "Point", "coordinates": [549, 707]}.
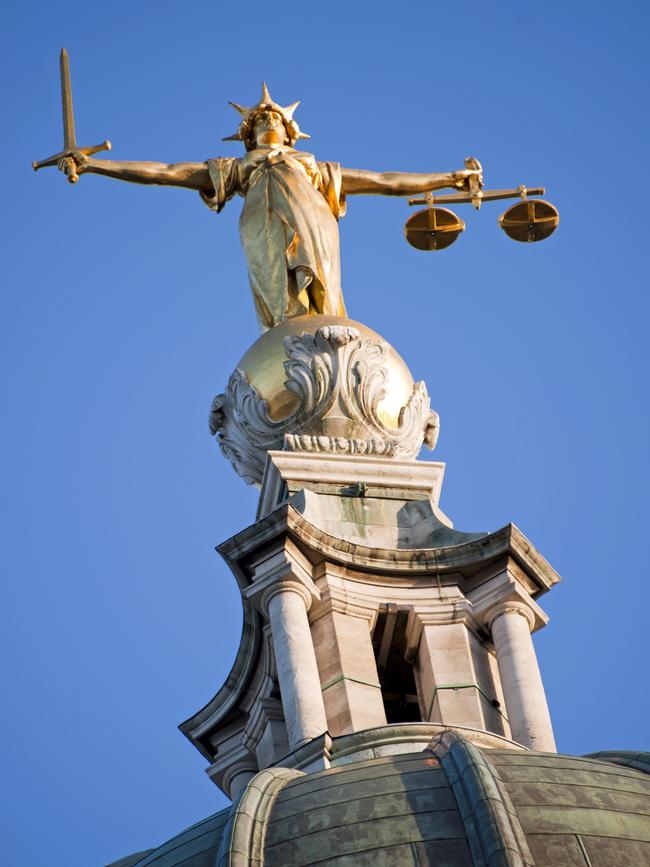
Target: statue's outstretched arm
{"type": "Point", "coordinates": [360, 181]}
{"type": "Point", "coordinates": [192, 176]}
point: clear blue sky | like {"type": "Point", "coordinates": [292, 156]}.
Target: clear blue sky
{"type": "Point", "coordinates": [126, 308]}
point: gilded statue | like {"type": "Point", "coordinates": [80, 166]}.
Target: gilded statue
{"type": "Point", "coordinates": [289, 222]}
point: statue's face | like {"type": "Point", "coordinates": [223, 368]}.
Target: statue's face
{"type": "Point", "coordinates": [269, 129]}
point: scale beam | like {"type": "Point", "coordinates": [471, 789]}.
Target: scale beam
{"type": "Point", "coordinates": [484, 195]}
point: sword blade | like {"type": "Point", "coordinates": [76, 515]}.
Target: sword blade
{"type": "Point", "coordinates": [69, 138]}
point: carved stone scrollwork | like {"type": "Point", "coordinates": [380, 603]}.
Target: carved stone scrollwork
{"type": "Point", "coordinates": [340, 380]}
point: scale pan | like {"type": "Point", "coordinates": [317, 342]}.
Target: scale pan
{"type": "Point", "coordinates": [532, 220]}
{"type": "Point", "coordinates": [433, 229]}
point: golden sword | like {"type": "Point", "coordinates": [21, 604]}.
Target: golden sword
{"type": "Point", "coordinates": [69, 139]}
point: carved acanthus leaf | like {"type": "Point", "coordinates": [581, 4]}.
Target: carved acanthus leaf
{"type": "Point", "coordinates": [340, 381]}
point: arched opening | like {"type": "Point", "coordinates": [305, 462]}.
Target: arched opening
{"type": "Point", "coordinates": [396, 675]}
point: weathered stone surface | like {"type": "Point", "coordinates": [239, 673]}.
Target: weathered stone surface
{"type": "Point", "coordinates": [455, 678]}
{"type": "Point", "coordinates": [338, 544]}
{"type": "Point", "coordinates": [348, 672]}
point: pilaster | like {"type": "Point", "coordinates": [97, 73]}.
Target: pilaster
{"type": "Point", "coordinates": [266, 732]}
{"type": "Point", "coordinates": [455, 677]}
{"type": "Point", "coordinates": [341, 631]}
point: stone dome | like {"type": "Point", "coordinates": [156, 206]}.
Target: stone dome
{"type": "Point", "coordinates": [451, 804]}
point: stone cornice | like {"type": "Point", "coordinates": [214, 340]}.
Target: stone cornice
{"type": "Point", "coordinates": [467, 558]}
{"type": "Point", "coordinates": [423, 477]}
{"type": "Point", "coordinates": [232, 692]}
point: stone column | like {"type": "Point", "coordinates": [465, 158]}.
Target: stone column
{"type": "Point", "coordinates": [521, 681]}
{"type": "Point", "coordinates": [295, 659]}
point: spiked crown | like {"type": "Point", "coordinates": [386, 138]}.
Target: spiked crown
{"type": "Point", "coordinates": [266, 103]}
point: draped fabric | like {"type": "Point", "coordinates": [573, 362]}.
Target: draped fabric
{"type": "Point", "coordinates": [288, 229]}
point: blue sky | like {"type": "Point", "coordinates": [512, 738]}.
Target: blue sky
{"type": "Point", "coordinates": [126, 308]}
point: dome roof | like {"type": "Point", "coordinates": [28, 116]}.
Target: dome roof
{"type": "Point", "coordinates": [452, 804]}
{"type": "Point", "coordinates": [197, 846]}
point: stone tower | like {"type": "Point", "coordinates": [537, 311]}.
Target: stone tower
{"type": "Point", "coordinates": [385, 707]}
{"type": "Point", "coordinates": [370, 622]}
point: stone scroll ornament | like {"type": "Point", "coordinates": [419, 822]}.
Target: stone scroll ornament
{"type": "Point", "coordinates": [340, 381]}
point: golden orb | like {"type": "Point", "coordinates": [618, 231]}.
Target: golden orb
{"type": "Point", "coordinates": [263, 365]}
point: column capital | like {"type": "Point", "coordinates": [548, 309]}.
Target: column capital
{"type": "Point", "coordinates": [512, 606]}
{"type": "Point", "coordinates": [285, 570]}
{"type": "Point", "coordinates": [235, 761]}
{"type": "Point", "coordinates": [502, 591]}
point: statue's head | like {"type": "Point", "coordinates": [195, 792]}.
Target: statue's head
{"type": "Point", "coordinates": [267, 123]}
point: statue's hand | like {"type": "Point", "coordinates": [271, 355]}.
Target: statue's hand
{"type": "Point", "coordinates": [73, 165]}
{"type": "Point", "coordinates": [462, 179]}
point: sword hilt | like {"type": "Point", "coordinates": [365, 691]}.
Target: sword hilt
{"type": "Point", "coordinates": [56, 159]}
{"type": "Point", "coordinates": [65, 159]}
{"type": "Point", "coordinates": [73, 177]}
{"type": "Point", "coordinates": [71, 171]}
{"type": "Point", "coordinates": [95, 149]}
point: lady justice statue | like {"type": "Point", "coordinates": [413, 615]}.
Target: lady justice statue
{"type": "Point", "coordinates": [289, 222]}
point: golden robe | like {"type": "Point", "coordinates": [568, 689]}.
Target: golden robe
{"type": "Point", "coordinates": [288, 229]}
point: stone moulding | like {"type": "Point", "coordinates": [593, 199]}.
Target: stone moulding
{"type": "Point", "coordinates": [339, 445]}
{"type": "Point", "coordinates": [508, 541]}
{"type": "Point", "coordinates": [340, 380]}
{"type": "Point", "coordinates": [494, 833]}
{"type": "Point", "coordinates": [199, 727]}
{"type": "Point", "coordinates": [242, 844]}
